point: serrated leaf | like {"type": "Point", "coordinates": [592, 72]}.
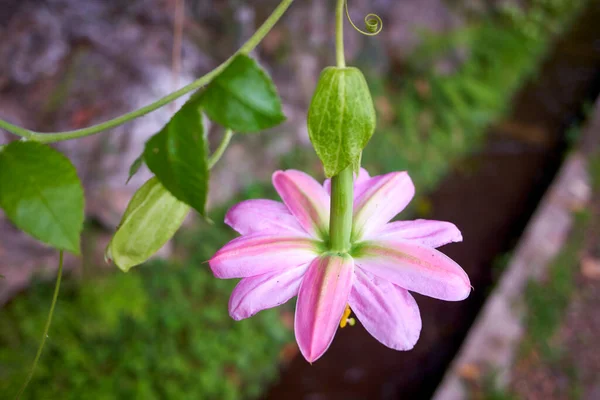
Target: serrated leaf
{"type": "Point", "coordinates": [135, 167]}
{"type": "Point", "coordinates": [178, 156]}
{"type": "Point", "coordinates": [243, 98]}
{"type": "Point", "coordinates": [41, 194]}
{"type": "Point", "coordinates": [151, 219]}
{"type": "Point", "coordinates": [341, 118]}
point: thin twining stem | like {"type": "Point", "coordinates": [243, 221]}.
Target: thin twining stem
{"type": "Point", "coordinates": [216, 156]}
{"type": "Point", "coordinates": [46, 328]}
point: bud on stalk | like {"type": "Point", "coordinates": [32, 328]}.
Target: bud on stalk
{"type": "Point", "coordinates": [341, 118]}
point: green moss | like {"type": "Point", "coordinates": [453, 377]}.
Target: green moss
{"type": "Point", "coordinates": [162, 331]}
{"type": "Point", "coordinates": [594, 171]}
{"type": "Point", "coordinates": [490, 390]}
{"type": "Point", "coordinates": [547, 300]}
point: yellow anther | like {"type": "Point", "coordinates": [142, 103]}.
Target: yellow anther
{"type": "Point", "coordinates": [345, 320]}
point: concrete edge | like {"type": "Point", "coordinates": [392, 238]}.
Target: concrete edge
{"type": "Point", "coordinates": [492, 341]}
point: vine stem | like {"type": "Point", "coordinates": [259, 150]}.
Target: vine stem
{"type": "Point", "coordinates": [342, 185]}
{"type": "Point", "coordinates": [339, 34]}
{"type": "Point", "coordinates": [46, 328]}
{"type": "Point", "coordinates": [197, 84]}
{"type": "Point", "coordinates": [216, 156]}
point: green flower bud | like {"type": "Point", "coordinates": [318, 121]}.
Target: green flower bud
{"type": "Point", "coordinates": [341, 118]}
{"type": "Point", "coordinates": [151, 219]}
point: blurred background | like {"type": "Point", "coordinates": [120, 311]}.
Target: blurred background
{"type": "Point", "coordinates": [484, 102]}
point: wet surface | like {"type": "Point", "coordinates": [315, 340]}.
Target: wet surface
{"type": "Point", "coordinates": [490, 198]}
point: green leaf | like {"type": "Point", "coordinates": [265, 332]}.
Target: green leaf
{"type": "Point", "coordinates": [135, 167]}
{"type": "Point", "coordinates": [178, 156]}
{"type": "Point", "coordinates": [243, 98]}
{"type": "Point", "coordinates": [341, 118]}
{"type": "Point", "coordinates": [41, 194]}
{"type": "Point", "coordinates": [151, 219]}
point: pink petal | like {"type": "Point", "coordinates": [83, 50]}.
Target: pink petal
{"type": "Point", "coordinates": [305, 198]}
{"type": "Point", "coordinates": [362, 183]}
{"type": "Point", "coordinates": [259, 254]}
{"type": "Point", "coordinates": [387, 312]}
{"type": "Point", "coordinates": [321, 302]}
{"type": "Point", "coordinates": [264, 291]}
{"type": "Point", "coordinates": [363, 176]}
{"type": "Point", "coordinates": [421, 231]}
{"type": "Point", "coordinates": [263, 216]}
{"type": "Point", "coordinates": [417, 268]}
{"type": "Point", "coordinates": [383, 197]}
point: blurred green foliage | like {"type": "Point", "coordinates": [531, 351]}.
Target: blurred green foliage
{"type": "Point", "coordinates": [456, 85]}
{"type": "Point", "coordinates": [162, 332]}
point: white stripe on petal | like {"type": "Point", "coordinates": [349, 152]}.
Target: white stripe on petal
{"type": "Point", "coordinates": [259, 254]}
{"type": "Point", "coordinates": [263, 216]}
{"type": "Point", "coordinates": [387, 312]}
{"type": "Point", "coordinates": [381, 199]}
{"type": "Point", "coordinates": [421, 231]}
{"type": "Point", "coordinates": [305, 198]}
{"type": "Point", "coordinates": [269, 290]}
{"type": "Point", "coordinates": [416, 268]}
{"type": "Point", "coordinates": [321, 302]}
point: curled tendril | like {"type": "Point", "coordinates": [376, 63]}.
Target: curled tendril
{"type": "Point", "coordinates": [373, 23]}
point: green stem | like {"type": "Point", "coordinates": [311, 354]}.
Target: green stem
{"type": "Point", "coordinates": [342, 185]}
{"type": "Point", "coordinates": [48, 322]}
{"type": "Point", "coordinates": [339, 34]}
{"type": "Point", "coordinates": [216, 156]}
{"type": "Point", "coordinates": [197, 84]}
{"type": "Point", "coordinates": [340, 223]}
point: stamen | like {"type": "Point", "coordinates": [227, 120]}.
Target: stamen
{"type": "Point", "coordinates": [345, 318]}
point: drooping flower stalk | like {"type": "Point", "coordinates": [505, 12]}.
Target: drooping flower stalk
{"type": "Point", "coordinates": [340, 225]}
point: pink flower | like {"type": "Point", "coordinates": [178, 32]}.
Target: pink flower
{"type": "Point", "coordinates": [283, 253]}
